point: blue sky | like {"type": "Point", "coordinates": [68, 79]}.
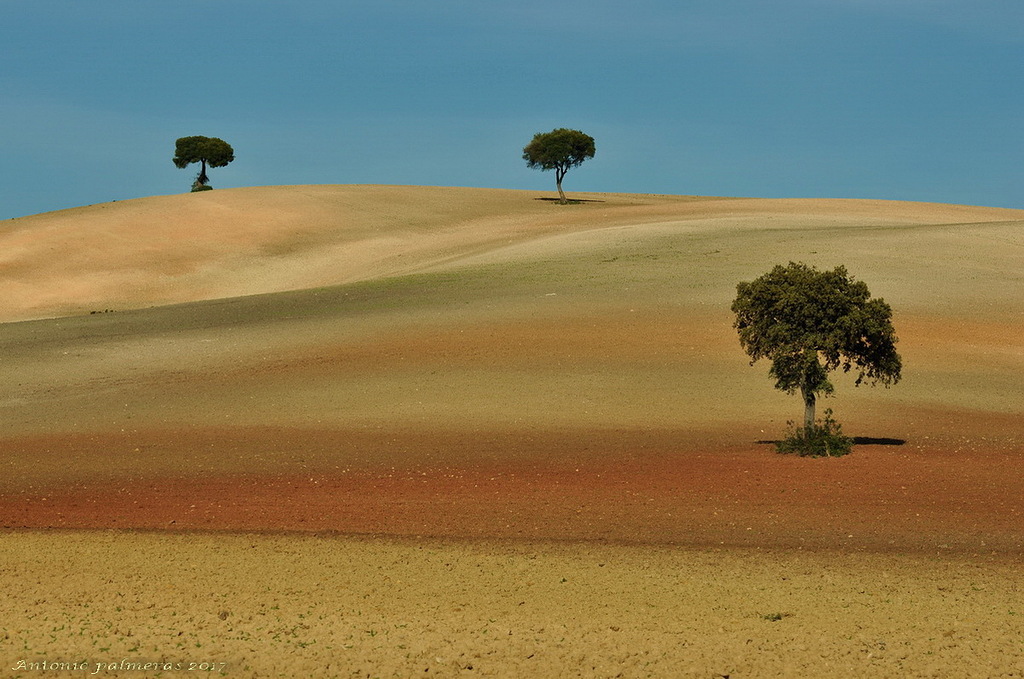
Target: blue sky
{"type": "Point", "coordinates": [900, 99]}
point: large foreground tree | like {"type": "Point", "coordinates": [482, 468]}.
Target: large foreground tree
{"type": "Point", "coordinates": [208, 151]}
{"type": "Point", "coordinates": [558, 150]}
{"type": "Point", "coordinates": [809, 323]}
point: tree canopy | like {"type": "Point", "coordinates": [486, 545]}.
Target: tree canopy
{"type": "Point", "coordinates": [208, 151]}
{"type": "Point", "coordinates": [809, 323]}
{"type": "Point", "coordinates": [558, 150]}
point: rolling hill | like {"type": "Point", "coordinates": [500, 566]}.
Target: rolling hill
{"type": "Point", "coordinates": [322, 331]}
{"type": "Point", "coordinates": [383, 431]}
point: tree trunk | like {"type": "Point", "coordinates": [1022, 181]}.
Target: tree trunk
{"type": "Point", "coordinates": [809, 400]}
{"type": "Point", "coordinates": [559, 176]}
{"type": "Point", "coordinates": [203, 179]}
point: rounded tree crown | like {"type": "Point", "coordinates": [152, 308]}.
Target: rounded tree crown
{"type": "Point", "coordinates": [215, 152]}
{"type": "Point", "coordinates": [809, 322]}
{"type": "Point", "coordinates": [558, 149]}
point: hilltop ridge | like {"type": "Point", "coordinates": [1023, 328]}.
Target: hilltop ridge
{"type": "Point", "coordinates": [234, 242]}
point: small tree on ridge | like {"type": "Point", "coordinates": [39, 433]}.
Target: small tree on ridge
{"type": "Point", "coordinates": [204, 150]}
{"type": "Point", "coordinates": [558, 150]}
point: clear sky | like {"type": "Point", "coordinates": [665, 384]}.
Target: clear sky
{"type": "Point", "coordinates": [900, 99]}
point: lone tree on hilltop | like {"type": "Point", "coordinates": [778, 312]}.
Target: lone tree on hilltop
{"type": "Point", "coordinates": [205, 150]}
{"type": "Point", "coordinates": [808, 323]}
{"type": "Point", "coordinates": [558, 150]}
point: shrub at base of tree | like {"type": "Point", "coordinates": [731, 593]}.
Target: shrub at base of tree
{"type": "Point", "coordinates": [824, 438]}
{"type": "Point", "coordinates": [201, 187]}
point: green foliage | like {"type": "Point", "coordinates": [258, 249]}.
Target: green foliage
{"type": "Point", "coordinates": [824, 438]}
{"type": "Point", "coordinates": [215, 152]}
{"type": "Point", "coordinates": [558, 150]}
{"type": "Point", "coordinates": [809, 323]}
{"type": "Point", "coordinates": [197, 187]}
{"type": "Point", "coordinates": [208, 151]}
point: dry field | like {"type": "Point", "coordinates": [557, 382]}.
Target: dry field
{"type": "Point", "coordinates": [365, 431]}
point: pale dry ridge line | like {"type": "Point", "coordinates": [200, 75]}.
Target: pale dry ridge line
{"type": "Point", "coordinates": [236, 242]}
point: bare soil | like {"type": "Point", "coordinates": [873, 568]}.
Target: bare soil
{"type": "Point", "coordinates": [383, 431]}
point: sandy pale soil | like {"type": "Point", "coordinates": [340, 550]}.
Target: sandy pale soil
{"type": "Point", "coordinates": [397, 431]}
{"type": "Point", "coordinates": [259, 605]}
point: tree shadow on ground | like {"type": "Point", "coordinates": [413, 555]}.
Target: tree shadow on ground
{"type": "Point", "coordinates": [872, 441]}
{"type": "Point", "coordinates": [571, 201]}
{"type": "Point", "coordinates": [860, 441]}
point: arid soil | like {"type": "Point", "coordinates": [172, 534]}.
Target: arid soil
{"type": "Point", "coordinates": [266, 605]}
{"type": "Point", "coordinates": [397, 431]}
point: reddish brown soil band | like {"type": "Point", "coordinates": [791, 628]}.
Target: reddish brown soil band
{"type": "Point", "coordinates": [633, 487]}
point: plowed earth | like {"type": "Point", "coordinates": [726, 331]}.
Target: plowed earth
{"type": "Point", "coordinates": [395, 413]}
{"type": "Point", "coordinates": [615, 486]}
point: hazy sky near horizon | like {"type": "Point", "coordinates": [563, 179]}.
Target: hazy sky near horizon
{"type": "Point", "coordinates": [896, 99]}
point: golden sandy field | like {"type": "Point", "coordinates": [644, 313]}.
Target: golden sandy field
{"type": "Point", "coordinates": [373, 431]}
